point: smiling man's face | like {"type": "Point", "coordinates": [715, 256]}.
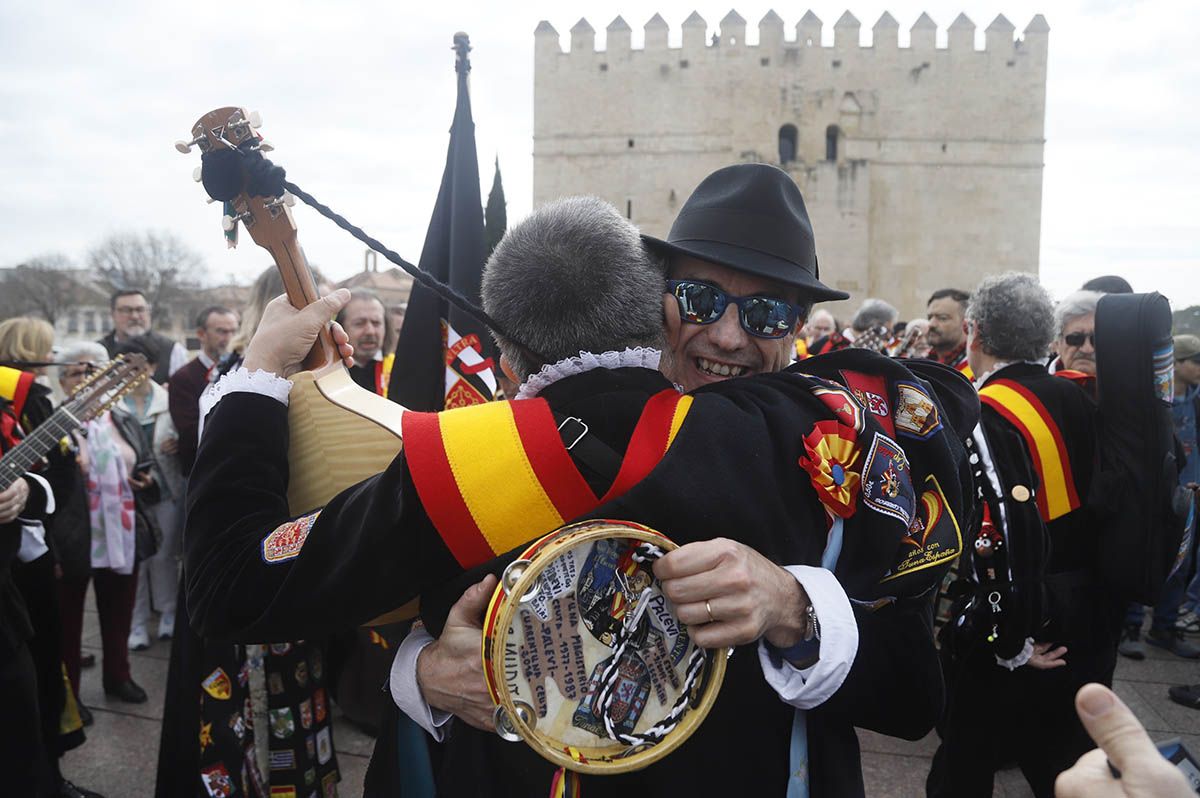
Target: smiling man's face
{"type": "Point", "coordinates": [699, 354]}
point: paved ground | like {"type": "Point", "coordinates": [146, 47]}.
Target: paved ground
{"type": "Point", "coordinates": [121, 754]}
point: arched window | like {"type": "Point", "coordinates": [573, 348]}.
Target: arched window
{"type": "Point", "coordinates": [787, 144]}
{"type": "Point", "coordinates": [832, 134]}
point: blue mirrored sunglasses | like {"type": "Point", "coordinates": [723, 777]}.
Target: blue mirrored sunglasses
{"type": "Point", "coordinates": [761, 316]}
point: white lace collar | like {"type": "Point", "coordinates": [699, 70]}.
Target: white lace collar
{"type": "Point", "coordinates": [641, 357]}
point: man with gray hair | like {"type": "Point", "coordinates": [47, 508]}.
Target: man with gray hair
{"type": "Point", "coordinates": [728, 469]}
{"type": "Point", "coordinates": [1075, 325]}
{"type": "Point", "coordinates": [873, 324]}
{"type": "Point", "coordinates": [1031, 623]}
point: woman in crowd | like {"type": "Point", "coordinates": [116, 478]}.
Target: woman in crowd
{"type": "Point", "coordinates": [24, 344]}
{"type": "Point", "coordinates": [118, 481]}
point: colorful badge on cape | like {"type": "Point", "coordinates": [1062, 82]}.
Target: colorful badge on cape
{"type": "Point", "coordinates": [205, 736]}
{"type": "Point", "coordinates": [286, 540]}
{"type": "Point", "coordinates": [217, 685]}
{"type": "Point", "coordinates": [216, 781]}
{"type": "Point", "coordinates": [282, 791]}
{"type": "Point", "coordinates": [306, 714]}
{"type": "Point", "coordinates": [329, 785]}
{"type": "Point", "coordinates": [933, 535]}
{"type": "Point", "coordinates": [324, 746]}
{"type": "Point", "coordinates": [318, 701]}
{"type": "Point", "coordinates": [887, 482]}
{"type": "Point", "coordinates": [282, 724]}
{"type": "Point", "coordinates": [916, 412]}
{"type": "Point", "coordinates": [283, 760]}
{"type": "Point", "coordinates": [831, 456]}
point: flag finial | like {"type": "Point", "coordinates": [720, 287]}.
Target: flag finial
{"type": "Point", "coordinates": [462, 46]}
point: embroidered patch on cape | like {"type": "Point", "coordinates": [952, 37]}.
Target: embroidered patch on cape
{"type": "Point", "coordinates": [886, 480]}
{"type": "Point", "coordinates": [216, 781]}
{"type": "Point", "coordinates": [283, 760]}
{"type": "Point", "coordinates": [933, 536]}
{"type": "Point", "coordinates": [217, 685]}
{"type": "Point", "coordinates": [871, 392]}
{"type": "Point", "coordinates": [286, 540]}
{"type": "Point", "coordinates": [844, 406]}
{"type": "Point", "coordinates": [916, 412]}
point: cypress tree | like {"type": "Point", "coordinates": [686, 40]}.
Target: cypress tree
{"type": "Point", "coordinates": [495, 218]}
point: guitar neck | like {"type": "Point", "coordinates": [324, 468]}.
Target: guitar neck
{"type": "Point", "coordinates": [18, 460]}
{"type": "Point", "coordinates": [301, 292]}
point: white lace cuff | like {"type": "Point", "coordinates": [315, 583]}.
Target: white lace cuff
{"type": "Point", "coordinates": [640, 357]}
{"type": "Point", "coordinates": [1024, 656]}
{"type": "Point", "coordinates": [240, 380]}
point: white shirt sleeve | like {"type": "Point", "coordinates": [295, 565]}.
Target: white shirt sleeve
{"type": "Point", "coordinates": [407, 693]}
{"type": "Point", "coordinates": [812, 686]}
{"type": "Point", "coordinates": [179, 359]}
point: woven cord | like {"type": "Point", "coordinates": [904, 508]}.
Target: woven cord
{"type": "Point", "coordinates": [424, 278]}
{"type": "Point", "coordinates": [609, 678]}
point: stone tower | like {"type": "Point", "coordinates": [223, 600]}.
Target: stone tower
{"type": "Point", "coordinates": [921, 166]}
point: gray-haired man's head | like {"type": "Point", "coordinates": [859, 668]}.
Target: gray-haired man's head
{"type": "Point", "coordinates": [1075, 323]}
{"type": "Point", "coordinates": [1012, 317]}
{"type": "Point", "coordinates": [572, 277]}
{"type": "Point", "coordinates": [875, 313]}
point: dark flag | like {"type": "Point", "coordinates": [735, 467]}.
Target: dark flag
{"type": "Point", "coordinates": [445, 357]}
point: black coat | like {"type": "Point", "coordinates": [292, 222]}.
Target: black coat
{"type": "Point", "coordinates": [732, 472]}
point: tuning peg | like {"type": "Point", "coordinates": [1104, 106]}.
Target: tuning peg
{"type": "Point", "coordinates": [285, 199]}
{"type": "Point", "coordinates": [229, 222]}
{"type": "Point", "coordinates": [265, 146]}
{"type": "Point", "coordinates": [255, 119]}
{"type": "Point", "coordinates": [198, 174]}
{"type": "Point", "coordinates": [186, 146]}
{"type": "Point", "coordinates": [210, 201]}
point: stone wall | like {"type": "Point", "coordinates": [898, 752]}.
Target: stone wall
{"type": "Point", "coordinates": [936, 169]}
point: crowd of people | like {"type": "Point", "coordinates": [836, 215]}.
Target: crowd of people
{"type": "Point", "coordinates": [990, 400]}
{"type": "Point", "coordinates": [107, 513]}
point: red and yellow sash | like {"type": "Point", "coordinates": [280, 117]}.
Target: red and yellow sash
{"type": "Point", "coordinates": [496, 475]}
{"type": "Point", "coordinates": [1021, 408]}
{"type": "Point", "coordinates": [964, 369]}
{"type": "Point", "coordinates": [383, 374]}
{"type": "Point", "coordinates": [14, 386]}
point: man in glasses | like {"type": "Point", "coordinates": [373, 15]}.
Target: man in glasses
{"type": "Point", "coordinates": [131, 317]}
{"type": "Point", "coordinates": [1075, 317]}
{"type": "Point", "coordinates": [742, 278]}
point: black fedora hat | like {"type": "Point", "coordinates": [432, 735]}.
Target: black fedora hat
{"type": "Point", "coordinates": [751, 218]}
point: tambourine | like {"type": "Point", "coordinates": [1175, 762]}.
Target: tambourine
{"type": "Point", "coordinates": [584, 657]}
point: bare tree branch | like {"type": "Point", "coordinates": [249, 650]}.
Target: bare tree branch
{"type": "Point", "coordinates": [159, 264]}
{"type": "Point", "coordinates": [40, 286]}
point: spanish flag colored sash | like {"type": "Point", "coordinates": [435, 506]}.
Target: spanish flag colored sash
{"type": "Point", "coordinates": [383, 374]}
{"type": "Point", "coordinates": [1021, 408]}
{"type": "Point", "coordinates": [964, 369]}
{"type": "Point", "coordinates": [14, 386]}
{"type": "Point", "coordinates": [496, 475]}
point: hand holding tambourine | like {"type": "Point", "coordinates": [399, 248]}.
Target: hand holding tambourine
{"type": "Point", "coordinates": [584, 656]}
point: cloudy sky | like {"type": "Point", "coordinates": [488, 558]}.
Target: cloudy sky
{"type": "Point", "coordinates": [357, 98]}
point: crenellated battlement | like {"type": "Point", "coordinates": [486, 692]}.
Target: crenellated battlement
{"type": "Point", "coordinates": [774, 36]}
{"type": "Point", "coordinates": [920, 162]}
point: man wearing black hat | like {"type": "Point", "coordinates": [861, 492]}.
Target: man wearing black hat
{"type": "Point", "coordinates": [379, 537]}
{"type": "Point", "coordinates": [741, 244]}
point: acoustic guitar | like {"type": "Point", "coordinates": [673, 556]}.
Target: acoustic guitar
{"type": "Point", "coordinates": [340, 433]}
{"type": "Point", "coordinates": [97, 393]}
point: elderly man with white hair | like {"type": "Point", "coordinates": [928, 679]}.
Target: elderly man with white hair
{"type": "Point", "coordinates": [1075, 320]}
